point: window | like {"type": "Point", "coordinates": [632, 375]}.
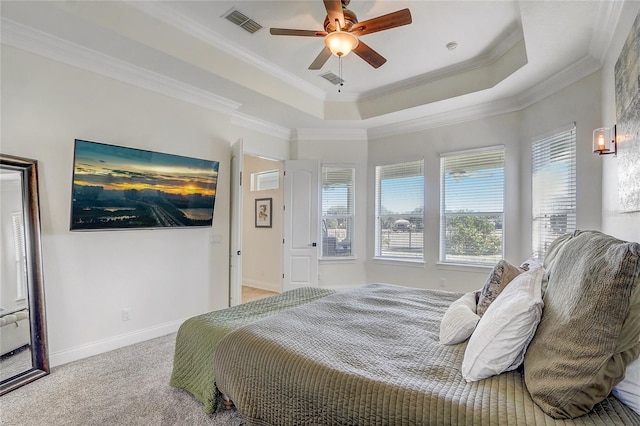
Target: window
{"type": "Point", "coordinates": [337, 211]}
{"type": "Point", "coordinates": [400, 210]}
{"type": "Point", "coordinates": [472, 204]}
{"type": "Point", "coordinates": [553, 188]}
{"type": "Point", "coordinates": [262, 181]}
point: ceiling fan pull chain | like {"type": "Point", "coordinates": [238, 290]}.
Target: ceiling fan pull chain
{"type": "Point", "coordinates": [340, 73]}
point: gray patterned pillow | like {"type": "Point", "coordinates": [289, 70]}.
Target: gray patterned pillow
{"type": "Point", "coordinates": [500, 276]}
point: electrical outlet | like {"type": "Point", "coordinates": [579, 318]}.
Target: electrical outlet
{"type": "Point", "coordinates": [442, 283]}
{"type": "Point", "coordinates": [126, 314]}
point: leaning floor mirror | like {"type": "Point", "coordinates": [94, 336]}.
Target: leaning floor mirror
{"type": "Point", "coordinates": [23, 334]}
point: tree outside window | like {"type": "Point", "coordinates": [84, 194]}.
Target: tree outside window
{"type": "Point", "coordinates": [472, 206]}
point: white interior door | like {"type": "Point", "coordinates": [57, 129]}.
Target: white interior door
{"type": "Point", "coordinates": [301, 190]}
{"type": "Point", "coordinates": [235, 272]}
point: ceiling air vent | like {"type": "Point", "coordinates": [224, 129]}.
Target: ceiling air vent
{"type": "Point", "coordinates": [242, 20]}
{"type": "Point", "coordinates": [332, 78]}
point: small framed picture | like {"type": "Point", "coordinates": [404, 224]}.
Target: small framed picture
{"type": "Point", "coordinates": [263, 212]}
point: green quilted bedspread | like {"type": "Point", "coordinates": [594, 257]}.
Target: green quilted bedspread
{"type": "Point", "coordinates": [371, 356]}
{"type": "Point", "coordinates": [198, 337]}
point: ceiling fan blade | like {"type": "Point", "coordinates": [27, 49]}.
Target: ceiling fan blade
{"type": "Point", "coordinates": [384, 22]}
{"type": "Point", "coordinates": [369, 55]}
{"type": "Point", "coordinates": [304, 33]}
{"type": "Point", "coordinates": [334, 11]}
{"type": "Point", "coordinates": [321, 59]}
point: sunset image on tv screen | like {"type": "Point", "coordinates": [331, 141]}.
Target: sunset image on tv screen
{"type": "Point", "coordinates": [116, 187]}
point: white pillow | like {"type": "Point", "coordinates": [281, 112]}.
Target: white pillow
{"type": "Point", "coordinates": [628, 390]}
{"type": "Point", "coordinates": [459, 320]}
{"type": "Point", "coordinates": [502, 335]}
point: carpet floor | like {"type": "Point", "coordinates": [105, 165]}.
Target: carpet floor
{"type": "Point", "coordinates": [127, 386]}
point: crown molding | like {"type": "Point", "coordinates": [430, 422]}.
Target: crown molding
{"type": "Point", "coordinates": [29, 39]}
{"type": "Point", "coordinates": [585, 66]}
{"type": "Point", "coordinates": [46, 45]}
{"type": "Point", "coordinates": [481, 61]}
{"type": "Point", "coordinates": [43, 44]}
{"type": "Point", "coordinates": [171, 17]}
{"type": "Point", "coordinates": [262, 126]}
{"type": "Point", "coordinates": [575, 72]}
{"type": "Point", "coordinates": [329, 135]}
{"type": "Point", "coordinates": [446, 118]}
{"type": "Point", "coordinates": [604, 26]}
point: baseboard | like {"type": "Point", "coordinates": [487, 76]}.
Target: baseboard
{"type": "Point", "coordinates": [106, 345]}
{"type": "Point", "coordinates": [262, 285]}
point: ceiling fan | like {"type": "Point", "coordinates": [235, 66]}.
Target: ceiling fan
{"type": "Point", "coordinates": [342, 29]}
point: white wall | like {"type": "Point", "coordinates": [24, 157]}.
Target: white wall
{"type": "Point", "coordinates": [163, 276]}
{"type": "Point", "coordinates": [622, 225]}
{"type": "Point", "coordinates": [577, 103]}
{"type": "Point", "coordinates": [429, 144]}
{"type": "Point", "coordinates": [261, 247]}
{"type": "Point", "coordinates": [343, 272]}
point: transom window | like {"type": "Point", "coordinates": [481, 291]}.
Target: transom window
{"type": "Point", "coordinates": [266, 180]}
{"type": "Point", "coordinates": [472, 206]}
{"type": "Point", "coordinates": [399, 208]}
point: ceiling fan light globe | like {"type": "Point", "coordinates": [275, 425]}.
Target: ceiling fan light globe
{"type": "Point", "coordinates": [341, 43]}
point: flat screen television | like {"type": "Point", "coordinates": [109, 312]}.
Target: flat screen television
{"type": "Point", "coordinates": [115, 187]}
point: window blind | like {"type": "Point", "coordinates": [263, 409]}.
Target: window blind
{"type": "Point", "coordinates": [472, 206]}
{"type": "Point", "coordinates": [553, 188]}
{"type": "Point", "coordinates": [399, 208]}
{"type": "Point", "coordinates": [337, 210]}
{"type": "Point", "coordinates": [20, 244]}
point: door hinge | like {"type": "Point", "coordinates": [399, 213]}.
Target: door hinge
{"type": "Point", "coordinates": [240, 178]}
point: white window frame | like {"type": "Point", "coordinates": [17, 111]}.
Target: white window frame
{"type": "Point", "coordinates": [341, 248]}
{"type": "Point", "coordinates": [265, 180]}
{"type": "Point", "coordinates": [546, 204]}
{"type": "Point", "coordinates": [412, 237]}
{"type": "Point", "coordinates": [474, 260]}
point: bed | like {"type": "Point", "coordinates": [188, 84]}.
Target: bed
{"type": "Point", "coordinates": [198, 337]}
{"type": "Point", "coordinates": [373, 355]}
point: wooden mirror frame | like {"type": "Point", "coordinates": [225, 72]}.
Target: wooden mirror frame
{"type": "Point", "coordinates": [35, 283]}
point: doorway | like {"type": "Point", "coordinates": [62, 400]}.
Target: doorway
{"type": "Point", "coordinates": [262, 227]}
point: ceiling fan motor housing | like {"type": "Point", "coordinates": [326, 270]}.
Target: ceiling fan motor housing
{"type": "Point", "coordinates": [350, 19]}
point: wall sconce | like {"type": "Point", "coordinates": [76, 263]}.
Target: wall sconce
{"type": "Point", "coordinates": [604, 140]}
